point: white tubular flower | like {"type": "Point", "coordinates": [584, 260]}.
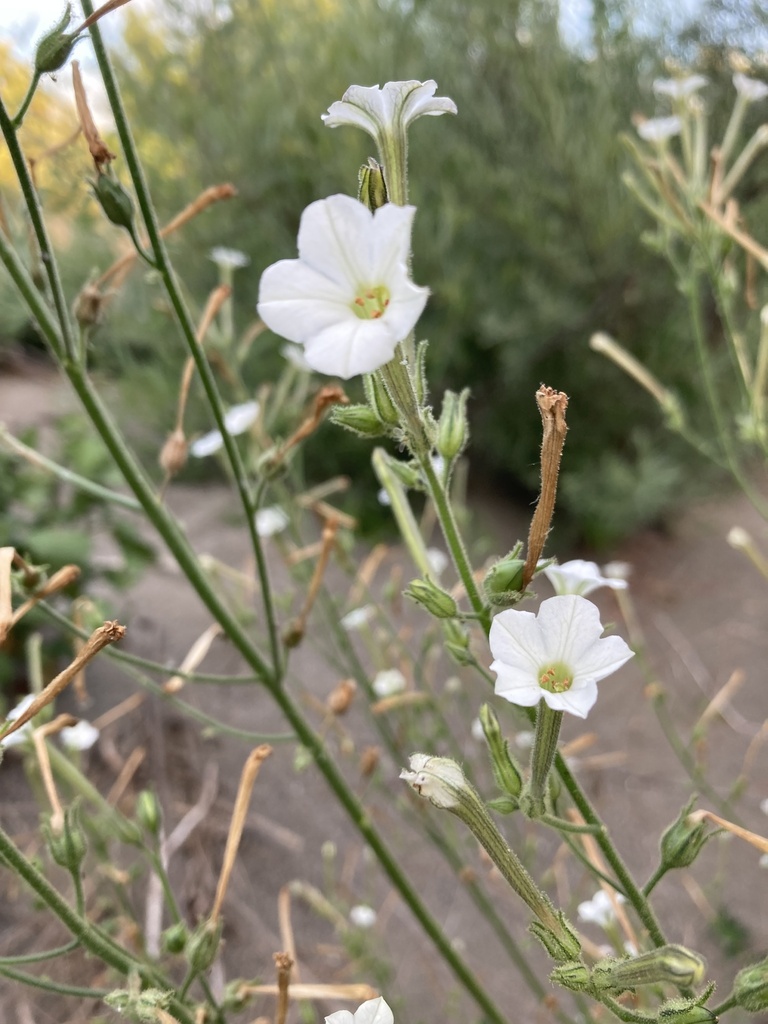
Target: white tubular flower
{"type": "Point", "coordinates": [348, 298]}
{"type": "Point", "coordinates": [679, 88]}
{"type": "Point", "coordinates": [659, 129]}
{"type": "Point", "coordinates": [558, 655]}
{"type": "Point", "coordinates": [271, 520]}
{"type": "Point", "coordinates": [438, 779]}
{"type": "Point", "coordinates": [389, 110]}
{"type": "Point", "coordinates": [389, 682]}
{"type": "Point", "coordinates": [237, 420]}
{"type": "Point", "coordinates": [580, 577]}
{"type": "Point", "coordinates": [373, 1011]}
{"type": "Point", "coordinates": [600, 909]}
{"type": "Point", "coordinates": [752, 89]}
{"type": "Point", "coordinates": [79, 737]}
{"type": "Point", "coordinates": [231, 259]}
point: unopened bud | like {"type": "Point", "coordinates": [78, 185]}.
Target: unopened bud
{"type": "Point", "coordinates": [174, 939]}
{"type": "Point", "coordinates": [505, 771]}
{"type": "Point", "coordinates": [173, 456]}
{"type": "Point", "coordinates": [148, 811]}
{"type": "Point", "coordinates": [457, 643]}
{"type": "Point", "coordinates": [140, 1006]}
{"type": "Point", "coordinates": [341, 696]}
{"type": "Point", "coordinates": [452, 427]}
{"type": "Point", "coordinates": [114, 201]}
{"type": "Point", "coordinates": [436, 600]}
{"type": "Point", "coordinates": [439, 779]}
{"type": "Point", "coordinates": [572, 975]}
{"type": "Point", "coordinates": [369, 761]}
{"type": "Point", "coordinates": [380, 400]}
{"type": "Point", "coordinates": [372, 190]}
{"type": "Point", "coordinates": [683, 840]}
{"type": "Point", "coordinates": [88, 306]}
{"type": "Point", "coordinates": [360, 419]}
{"type": "Point", "coordinates": [675, 965]}
{"type": "Point", "coordinates": [54, 49]}
{"type": "Point", "coordinates": [750, 987]}
{"type": "Point", "coordinates": [504, 580]}
{"type": "Point", "coordinates": [203, 945]}
{"type": "Point", "coordinates": [68, 845]}
{"type": "Point", "coordinates": [685, 1011]}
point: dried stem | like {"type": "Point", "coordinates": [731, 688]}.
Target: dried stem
{"type": "Point", "coordinates": [552, 405]}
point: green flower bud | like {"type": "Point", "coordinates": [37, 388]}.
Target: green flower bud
{"type": "Point", "coordinates": [67, 847]}
{"type": "Point", "coordinates": [54, 49]}
{"type": "Point", "coordinates": [433, 598]}
{"type": "Point", "coordinates": [673, 964]}
{"type": "Point", "coordinates": [750, 987]}
{"type": "Point", "coordinates": [562, 945]}
{"type": "Point", "coordinates": [236, 996]}
{"type": "Point", "coordinates": [114, 201]}
{"type": "Point", "coordinates": [452, 427]}
{"type": "Point", "coordinates": [379, 399]}
{"type": "Point", "coordinates": [572, 975]}
{"type": "Point", "coordinates": [406, 472]}
{"type": "Point", "coordinates": [420, 374]}
{"type": "Point", "coordinates": [372, 188]}
{"type": "Point", "coordinates": [685, 1011]}
{"type": "Point", "coordinates": [504, 580]}
{"type": "Point", "coordinates": [174, 939]}
{"type": "Point", "coordinates": [148, 811]}
{"type": "Point", "coordinates": [142, 1006]}
{"type": "Point", "coordinates": [505, 770]}
{"type": "Point", "coordinates": [457, 643]}
{"type": "Point", "coordinates": [683, 840]}
{"type": "Point", "coordinates": [360, 419]}
{"type": "Point", "coordinates": [202, 946]}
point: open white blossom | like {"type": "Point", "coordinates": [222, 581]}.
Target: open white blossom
{"type": "Point", "coordinates": [752, 89]}
{"type": "Point", "coordinates": [659, 129]}
{"type": "Point", "coordinates": [358, 617]}
{"type": "Point", "coordinates": [600, 909]}
{"type": "Point", "coordinates": [679, 88]}
{"type": "Point", "coordinates": [23, 734]}
{"type": "Point", "coordinates": [388, 110]}
{"type": "Point", "coordinates": [230, 258]}
{"type": "Point", "coordinates": [373, 1011]}
{"type": "Point", "coordinates": [389, 682]}
{"type": "Point", "coordinates": [271, 520]}
{"type": "Point", "coordinates": [348, 298]}
{"type": "Point", "coordinates": [237, 420]}
{"type": "Point", "coordinates": [558, 655]}
{"type": "Point", "coordinates": [580, 577]}
{"type": "Point", "coordinates": [81, 736]}
{"type": "Point", "coordinates": [363, 916]}
{"type": "Point", "coordinates": [438, 561]}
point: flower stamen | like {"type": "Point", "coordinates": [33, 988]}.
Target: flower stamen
{"type": "Point", "coordinates": [371, 303]}
{"type": "Point", "coordinates": [557, 678]}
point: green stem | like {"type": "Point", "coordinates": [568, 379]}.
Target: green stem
{"type": "Point", "coordinates": [33, 84]}
{"type": "Point", "coordinates": [35, 981]}
{"type": "Point", "coordinates": [36, 958]}
{"type": "Point", "coordinates": [654, 880]}
{"type": "Point", "coordinates": [548, 724]}
{"type": "Point", "coordinates": [728, 1004]}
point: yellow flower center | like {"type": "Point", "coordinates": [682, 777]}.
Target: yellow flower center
{"type": "Point", "coordinates": [370, 303]}
{"type": "Point", "coordinates": [556, 678]}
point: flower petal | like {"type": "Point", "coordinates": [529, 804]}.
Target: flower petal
{"type": "Point", "coordinates": [571, 624]}
{"type": "Point", "coordinates": [374, 1011]}
{"type": "Point", "coordinates": [578, 701]}
{"type": "Point", "coordinates": [334, 240]}
{"type": "Point", "coordinates": [603, 658]}
{"type": "Point", "coordinates": [390, 241]}
{"type": "Point", "coordinates": [351, 347]}
{"type": "Point", "coordinates": [296, 301]}
{"type": "Point", "coordinates": [340, 1017]}
{"type": "Point", "coordinates": [421, 100]}
{"type": "Point", "coordinates": [515, 641]}
{"type": "Point", "coordinates": [516, 686]}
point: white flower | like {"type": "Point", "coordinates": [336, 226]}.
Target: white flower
{"type": "Point", "coordinates": [21, 735]}
{"type": "Point", "coordinates": [558, 655]}
{"type": "Point", "coordinates": [438, 561]}
{"type": "Point", "coordinates": [231, 258]}
{"type": "Point", "coordinates": [270, 521]}
{"type": "Point", "coordinates": [617, 570]}
{"type": "Point", "coordinates": [600, 909]}
{"type": "Point", "coordinates": [580, 577]}
{"type": "Point", "coordinates": [383, 497]}
{"type": "Point", "coordinates": [438, 779]}
{"type": "Point", "coordinates": [476, 730]}
{"type": "Point", "coordinates": [358, 617]}
{"type": "Point", "coordinates": [524, 739]}
{"type": "Point", "coordinates": [237, 420]}
{"type": "Point", "coordinates": [348, 298]}
{"type": "Point", "coordinates": [79, 737]}
{"type": "Point", "coordinates": [659, 129]}
{"type": "Point", "coordinates": [294, 355]}
{"type": "Point", "coordinates": [388, 682]}
{"type": "Point", "coordinates": [752, 89]}
{"type": "Point", "coordinates": [362, 916]}
{"type": "Point", "coordinates": [679, 88]}
{"type": "Point", "coordinates": [389, 110]}
{"type": "Point", "coordinates": [374, 1011]}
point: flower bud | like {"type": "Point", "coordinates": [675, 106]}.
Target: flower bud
{"type": "Point", "coordinates": [173, 456]}
{"type": "Point", "coordinates": [114, 201]}
{"type": "Point", "coordinates": [420, 382]}
{"type": "Point", "coordinates": [683, 840]}
{"type": "Point", "coordinates": [436, 601]}
{"type": "Point", "coordinates": [504, 580]}
{"type": "Point", "coordinates": [673, 964]}
{"type": "Point", "coordinates": [372, 188]}
{"type": "Point", "coordinates": [452, 427]}
{"type": "Point", "coordinates": [174, 939]}
{"type": "Point", "coordinates": [360, 419]}
{"type": "Point", "coordinates": [141, 1006]}
{"type": "Point", "coordinates": [203, 945]}
{"type": "Point", "coordinates": [54, 49]}
{"type": "Point", "coordinates": [561, 941]}
{"type": "Point", "coordinates": [67, 846]}
{"type": "Point", "coordinates": [148, 811]}
{"type": "Point", "coordinates": [685, 1011]}
{"type": "Point", "coordinates": [439, 779]}
{"type": "Point", "coordinates": [88, 306]}
{"type": "Point", "coordinates": [405, 472]}
{"type": "Point", "coordinates": [379, 399]}
{"type": "Point", "coordinates": [572, 975]}
{"type": "Point", "coordinates": [505, 771]}
{"type": "Point", "coordinates": [750, 987]}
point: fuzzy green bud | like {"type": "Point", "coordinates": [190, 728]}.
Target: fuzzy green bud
{"type": "Point", "coordinates": [675, 965]}
{"type": "Point", "coordinates": [54, 48]}
{"type": "Point", "coordinates": [457, 644]}
{"type": "Point", "coordinates": [203, 945]}
{"type": "Point", "coordinates": [379, 399]}
{"type": "Point", "coordinates": [683, 840]}
{"type": "Point", "coordinates": [436, 601]}
{"type": "Point", "coordinates": [174, 939]}
{"type": "Point", "coordinates": [505, 770]}
{"type": "Point", "coordinates": [372, 188]}
{"type": "Point", "coordinates": [114, 201]}
{"type": "Point", "coordinates": [503, 581]}
{"type": "Point", "coordinates": [572, 975]}
{"type": "Point", "coordinates": [452, 427]}
{"type": "Point", "coordinates": [148, 811]}
{"type": "Point", "coordinates": [67, 846]}
{"type": "Point", "coordinates": [750, 987]}
{"type": "Point", "coordinates": [141, 1006]}
{"type": "Point", "coordinates": [360, 419]}
{"type": "Point", "coordinates": [406, 472]}
{"type": "Point", "coordinates": [561, 942]}
{"type": "Point", "coordinates": [685, 1011]}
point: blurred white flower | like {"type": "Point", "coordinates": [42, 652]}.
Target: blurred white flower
{"type": "Point", "coordinates": [362, 916]}
{"type": "Point", "coordinates": [476, 730]}
{"type": "Point", "coordinates": [21, 735]}
{"type": "Point", "coordinates": [271, 520]}
{"type": "Point", "coordinates": [752, 89]}
{"type": "Point", "coordinates": [358, 617]}
{"type": "Point", "coordinates": [237, 420]}
{"type": "Point", "coordinates": [383, 497]}
{"type": "Point", "coordinates": [524, 739]}
{"type": "Point", "coordinates": [580, 577]}
{"type": "Point", "coordinates": [79, 737]}
{"type": "Point", "coordinates": [438, 561]}
{"type": "Point", "coordinates": [558, 655]}
{"type": "Point", "coordinates": [764, 806]}
{"type": "Point", "coordinates": [763, 861]}
{"type": "Point", "coordinates": [388, 682]}
{"type": "Point", "coordinates": [438, 464]}
{"type": "Point", "coordinates": [374, 1011]}
{"type": "Point", "coordinates": [294, 354]}
{"type": "Point", "coordinates": [348, 298]}
{"type": "Point", "coordinates": [617, 570]}
{"type": "Point", "coordinates": [599, 910]}
{"type": "Point", "coordinates": [231, 258]}
{"type": "Point", "coordinates": [679, 88]}
{"type": "Point", "coordinates": [388, 111]}
{"type": "Point", "coordinates": [659, 129]}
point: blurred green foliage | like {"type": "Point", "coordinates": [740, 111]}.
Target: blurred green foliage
{"type": "Point", "coordinates": [524, 233]}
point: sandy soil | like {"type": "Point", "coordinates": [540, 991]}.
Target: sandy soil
{"type": "Point", "coordinates": [702, 610]}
